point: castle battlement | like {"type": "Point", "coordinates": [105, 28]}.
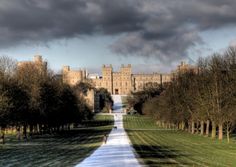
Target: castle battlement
{"type": "Point", "coordinates": [117, 82]}
{"type": "Point", "coordinates": [37, 62]}
{"type": "Point", "coordinates": [107, 66]}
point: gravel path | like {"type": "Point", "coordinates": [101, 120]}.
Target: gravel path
{"type": "Point", "coordinates": [117, 152]}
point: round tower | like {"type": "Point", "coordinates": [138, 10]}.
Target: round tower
{"type": "Point", "coordinates": [38, 59]}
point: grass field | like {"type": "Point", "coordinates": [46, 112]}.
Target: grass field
{"type": "Point", "coordinates": [160, 147]}
{"type": "Point", "coordinates": [124, 101]}
{"type": "Point", "coordinates": [66, 149]}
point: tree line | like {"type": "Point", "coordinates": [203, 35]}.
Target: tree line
{"type": "Point", "coordinates": [34, 101]}
{"type": "Point", "coordinates": [200, 101]}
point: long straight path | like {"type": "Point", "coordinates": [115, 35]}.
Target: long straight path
{"type": "Point", "coordinates": [117, 152]}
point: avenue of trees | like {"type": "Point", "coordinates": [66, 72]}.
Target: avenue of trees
{"type": "Point", "coordinates": [34, 101]}
{"type": "Point", "coordinates": [200, 101]}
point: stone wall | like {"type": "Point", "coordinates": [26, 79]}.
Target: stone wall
{"type": "Point", "coordinates": [72, 77]}
{"type": "Point", "coordinates": [123, 81]}
{"type": "Point", "coordinates": [38, 62]}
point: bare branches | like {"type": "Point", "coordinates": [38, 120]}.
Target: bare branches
{"type": "Point", "coordinates": [7, 67]}
{"type": "Point", "coordinates": [203, 99]}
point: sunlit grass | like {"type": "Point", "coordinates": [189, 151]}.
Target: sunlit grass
{"type": "Point", "coordinates": [176, 148]}
{"type": "Point", "coordinates": [65, 149]}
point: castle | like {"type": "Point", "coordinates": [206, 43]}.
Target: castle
{"type": "Point", "coordinates": [122, 82]}
{"type": "Point", "coordinates": [41, 65]}
{"type": "Point", "coordinates": [38, 62]}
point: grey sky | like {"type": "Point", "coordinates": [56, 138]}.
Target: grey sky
{"type": "Point", "coordinates": [161, 30]}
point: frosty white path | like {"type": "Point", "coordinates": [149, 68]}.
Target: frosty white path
{"type": "Point", "coordinates": [117, 152]}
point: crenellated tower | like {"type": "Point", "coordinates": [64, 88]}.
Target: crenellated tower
{"type": "Point", "coordinates": [125, 74]}
{"type": "Point", "coordinates": [107, 78]}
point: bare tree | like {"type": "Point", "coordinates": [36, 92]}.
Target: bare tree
{"type": "Point", "coordinates": [7, 66]}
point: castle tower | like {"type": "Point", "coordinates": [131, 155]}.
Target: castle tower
{"type": "Point", "coordinates": [126, 84]}
{"type": "Point", "coordinates": [38, 59]}
{"type": "Point", "coordinates": [65, 71]}
{"type": "Point", "coordinates": [84, 73]}
{"type": "Point", "coordinates": [71, 76]}
{"type": "Point", "coordinates": [107, 77]}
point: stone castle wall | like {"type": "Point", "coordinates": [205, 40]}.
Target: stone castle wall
{"type": "Point", "coordinates": [72, 76]}
{"type": "Point", "coordinates": [120, 82]}
{"type": "Point", "coordinates": [116, 82]}
{"type": "Point", "coordinates": [38, 62]}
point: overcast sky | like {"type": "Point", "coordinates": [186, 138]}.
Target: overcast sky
{"type": "Point", "coordinates": [152, 35]}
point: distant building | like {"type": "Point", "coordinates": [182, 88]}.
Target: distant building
{"type": "Point", "coordinates": [116, 82]}
{"type": "Point", "coordinates": [183, 68]}
{"type": "Point", "coordinates": [93, 76]}
{"type": "Point", "coordinates": [71, 76]}
{"type": "Point", "coordinates": [121, 82]}
{"type": "Point", "coordinates": [38, 62]}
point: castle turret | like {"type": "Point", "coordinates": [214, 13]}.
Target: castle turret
{"type": "Point", "coordinates": [126, 85]}
{"type": "Point", "coordinates": [84, 73]}
{"type": "Point", "coordinates": [66, 69]}
{"type": "Point", "coordinates": [38, 59]}
{"type": "Point", "coordinates": [107, 72]}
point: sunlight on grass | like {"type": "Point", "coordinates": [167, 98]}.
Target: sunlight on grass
{"type": "Point", "coordinates": [175, 148]}
{"type": "Point", "coordinates": [66, 149]}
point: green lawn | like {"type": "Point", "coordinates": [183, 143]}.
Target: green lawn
{"type": "Point", "coordinates": [160, 147]}
{"type": "Point", "coordinates": [66, 149]}
{"type": "Point", "coordinates": [124, 101]}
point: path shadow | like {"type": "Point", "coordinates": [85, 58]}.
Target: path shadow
{"type": "Point", "coordinates": [45, 154]}
{"type": "Point", "coordinates": [159, 155]}
{"type": "Point", "coordinates": [66, 148]}
{"type": "Point", "coordinates": [117, 107]}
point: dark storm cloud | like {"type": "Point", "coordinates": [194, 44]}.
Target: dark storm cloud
{"type": "Point", "coordinates": [159, 28]}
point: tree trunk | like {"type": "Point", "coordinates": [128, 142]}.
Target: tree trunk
{"type": "Point", "coordinates": [197, 130]}
{"type": "Point", "coordinates": [189, 127]}
{"type": "Point", "coordinates": [31, 128]}
{"type": "Point", "coordinates": [162, 124]}
{"type": "Point", "coordinates": [207, 127]}
{"type": "Point", "coordinates": [3, 135]}
{"type": "Point", "coordinates": [228, 131]}
{"type": "Point", "coordinates": [202, 127]}
{"type": "Point", "coordinates": [213, 131]}
{"type": "Point", "coordinates": [193, 127]}
{"type": "Point", "coordinates": [167, 125]}
{"type": "Point", "coordinates": [36, 129]}
{"type": "Point", "coordinates": [179, 126]}
{"type": "Point", "coordinates": [220, 135]}
{"type": "Point", "coordinates": [18, 133]}
{"type": "Point", "coordinates": [24, 132]}
{"type": "Point", "coordinates": [183, 125]}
